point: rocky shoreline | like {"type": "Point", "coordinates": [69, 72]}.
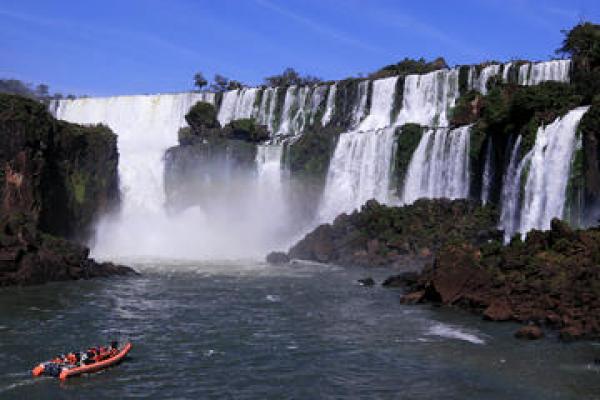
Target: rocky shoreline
{"type": "Point", "coordinates": [549, 280]}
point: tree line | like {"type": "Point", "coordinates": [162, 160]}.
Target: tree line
{"type": "Point", "coordinates": [220, 83]}
{"type": "Point", "coordinates": [39, 92]}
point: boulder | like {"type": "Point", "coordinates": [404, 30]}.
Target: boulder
{"type": "Point", "coordinates": [530, 332]}
{"type": "Point", "coordinates": [366, 281]}
{"type": "Point", "coordinates": [277, 258]}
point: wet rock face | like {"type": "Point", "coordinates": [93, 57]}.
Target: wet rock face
{"type": "Point", "coordinates": [552, 278]}
{"type": "Point", "coordinates": [63, 175]}
{"type": "Point", "coordinates": [379, 235]}
{"type": "Point", "coordinates": [29, 257]}
{"type": "Point", "coordinates": [277, 258]}
{"type": "Point", "coordinates": [56, 179]}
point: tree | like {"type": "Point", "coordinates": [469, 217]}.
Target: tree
{"type": "Point", "coordinates": [233, 85]}
{"type": "Point", "coordinates": [220, 83]}
{"type": "Point", "coordinates": [200, 81]}
{"type": "Point", "coordinates": [290, 76]}
{"type": "Point", "coordinates": [582, 43]}
{"type": "Point", "coordinates": [41, 91]}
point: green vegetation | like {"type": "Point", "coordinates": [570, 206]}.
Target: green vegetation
{"type": "Point", "coordinates": [40, 92]}
{"type": "Point", "coordinates": [202, 116]}
{"type": "Point", "coordinates": [582, 44]}
{"type": "Point", "coordinates": [310, 154]}
{"type": "Point", "coordinates": [290, 76]}
{"type": "Point", "coordinates": [246, 129]}
{"type": "Point", "coordinates": [410, 66]}
{"type": "Point", "coordinates": [407, 140]}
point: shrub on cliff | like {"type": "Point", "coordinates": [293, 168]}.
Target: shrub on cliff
{"type": "Point", "coordinates": [246, 129]}
{"type": "Point", "coordinates": [202, 116]}
{"type": "Point", "coordinates": [310, 154]}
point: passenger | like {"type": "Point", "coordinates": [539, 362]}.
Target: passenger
{"type": "Point", "coordinates": [89, 358]}
{"type": "Point", "coordinates": [71, 359]}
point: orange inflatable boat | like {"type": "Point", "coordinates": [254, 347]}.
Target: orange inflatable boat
{"type": "Point", "coordinates": [65, 370]}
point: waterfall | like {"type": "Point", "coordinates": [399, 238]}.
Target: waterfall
{"type": "Point", "coordinates": [145, 126]}
{"type": "Point", "coordinates": [480, 83]}
{"type": "Point", "coordinates": [428, 98]}
{"type": "Point", "coordinates": [506, 71]}
{"type": "Point", "coordinates": [511, 188]}
{"type": "Point", "coordinates": [360, 105]}
{"type": "Point", "coordinates": [317, 98]}
{"type": "Point", "coordinates": [382, 102]}
{"type": "Point", "coordinates": [286, 115]}
{"type": "Point", "coordinates": [536, 73]}
{"type": "Point", "coordinates": [359, 171]}
{"type": "Point", "coordinates": [267, 107]}
{"type": "Point", "coordinates": [488, 174]}
{"type": "Point", "coordinates": [439, 166]}
{"type": "Point", "coordinates": [549, 171]}
{"type": "Point", "coordinates": [238, 104]}
{"type": "Point", "coordinates": [330, 105]}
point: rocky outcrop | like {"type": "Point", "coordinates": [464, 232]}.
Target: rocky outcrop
{"type": "Point", "coordinates": [63, 175]}
{"type": "Point", "coordinates": [379, 235]}
{"type": "Point", "coordinates": [29, 257]}
{"type": "Point", "coordinates": [551, 278]}
{"type": "Point", "coordinates": [209, 156]}
{"type": "Point", "coordinates": [56, 180]}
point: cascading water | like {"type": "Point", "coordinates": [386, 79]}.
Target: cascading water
{"type": "Point", "coordinates": [549, 171]}
{"type": "Point", "coordinates": [428, 98]}
{"type": "Point", "coordinates": [330, 105]}
{"type": "Point", "coordinates": [382, 103]}
{"type": "Point", "coordinates": [318, 96]}
{"type": "Point", "coordinates": [360, 167]}
{"type": "Point", "coordinates": [145, 126]}
{"type": "Point", "coordinates": [488, 174]}
{"type": "Point", "coordinates": [506, 71]}
{"type": "Point", "coordinates": [359, 170]}
{"type": "Point", "coordinates": [536, 73]}
{"type": "Point", "coordinates": [439, 166]}
{"type": "Point", "coordinates": [511, 187]}
{"type": "Point", "coordinates": [360, 105]}
{"type": "Point", "coordinates": [480, 83]}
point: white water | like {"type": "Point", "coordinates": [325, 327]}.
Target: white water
{"type": "Point", "coordinates": [360, 105]}
{"type": "Point", "coordinates": [382, 102]}
{"type": "Point", "coordinates": [145, 126]}
{"type": "Point", "coordinates": [549, 171]}
{"type": "Point", "coordinates": [439, 166]}
{"type": "Point", "coordinates": [536, 73]}
{"type": "Point", "coordinates": [480, 83]}
{"type": "Point", "coordinates": [506, 71]}
{"type": "Point", "coordinates": [488, 172]}
{"type": "Point", "coordinates": [318, 96]}
{"type": "Point", "coordinates": [511, 191]}
{"type": "Point", "coordinates": [428, 98]}
{"type": "Point", "coordinates": [330, 105]}
{"type": "Point", "coordinates": [359, 171]}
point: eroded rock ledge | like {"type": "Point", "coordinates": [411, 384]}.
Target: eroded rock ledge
{"type": "Point", "coordinates": [550, 279]}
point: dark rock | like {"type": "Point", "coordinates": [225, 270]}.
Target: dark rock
{"type": "Point", "coordinates": [379, 235]}
{"type": "Point", "coordinates": [32, 257]}
{"type": "Point", "coordinates": [413, 298]}
{"type": "Point", "coordinates": [551, 277]}
{"type": "Point", "coordinates": [401, 280]}
{"type": "Point", "coordinates": [530, 332]}
{"type": "Point", "coordinates": [366, 281]}
{"type": "Point", "coordinates": [499, 310]}
{"type": "Point", "coordinates": [277, 257]}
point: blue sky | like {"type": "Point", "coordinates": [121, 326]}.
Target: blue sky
{"type": "Point", "coordinates": [147, 46]}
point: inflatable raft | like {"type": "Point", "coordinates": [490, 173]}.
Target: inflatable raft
{"type": "Point", "coordinates": [64, 371]}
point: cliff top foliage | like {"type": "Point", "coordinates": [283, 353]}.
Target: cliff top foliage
{"type": "Point", "coordinates": [39, 92]}
{"type": "Point", "coordinates": [290, 76]}
{"type": "Point", "coordinates": [246, 129]}
{"type": "Point", "coordinates": [582, 44]}
{"type": "Point", "coordinates": [410, 66]}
